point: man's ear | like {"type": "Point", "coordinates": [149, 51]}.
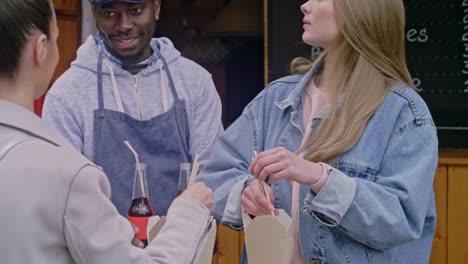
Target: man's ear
{"type": "Point", "coordinates": [40, 49]}
{"type": "Point", "coordinates": [157, 9]}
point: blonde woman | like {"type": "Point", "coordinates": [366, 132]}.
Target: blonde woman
{"type": "Point", "coordinates": [347, 144]}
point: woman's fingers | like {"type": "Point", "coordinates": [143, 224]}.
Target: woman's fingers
{"type": "Point", "coordinates": [284, 174]}
{"type": "Point", "coordinates": [254, 200]}
{"type": "Point", "coordinates": [261, 198]}
{"type": "Point", "coordinates": [271, 169]}
{"type": "Point", "coordinates": [267, 162]}
{"type": "Point", "coordinates": [252, 208]}
{"type": "Point", "coordinates": [261, 156]}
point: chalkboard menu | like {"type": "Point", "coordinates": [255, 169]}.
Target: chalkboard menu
{"type": "Point", "coordinates": [437, 56]}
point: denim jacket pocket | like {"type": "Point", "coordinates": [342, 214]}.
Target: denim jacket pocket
{"type": "Point", "coordinates": [377, 256]}
{"type": "Point", "coordinates": [356, 170]}
{"type": "Point", "coordinates": [318, 256]}
{"type": "Point", "coordinates": [372, 256]}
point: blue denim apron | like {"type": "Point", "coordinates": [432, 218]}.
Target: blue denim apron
{"type": "Point", "coordinates": [162, 143]}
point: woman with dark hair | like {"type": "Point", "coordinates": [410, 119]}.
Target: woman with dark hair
{"type": "Point", "coordinates": [55, 203]}
{"type": "Point", "coordinates": [347, 144]}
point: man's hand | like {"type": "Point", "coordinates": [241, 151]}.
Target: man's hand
{"type": "Point", "coordinates": [136, 242]}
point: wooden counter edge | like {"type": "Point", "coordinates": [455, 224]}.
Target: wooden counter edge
{"type": "Point", "coordinates": [453, 156]}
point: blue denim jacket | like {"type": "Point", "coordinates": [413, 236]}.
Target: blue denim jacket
{"type": "Point", "coordinates": [377, 205]}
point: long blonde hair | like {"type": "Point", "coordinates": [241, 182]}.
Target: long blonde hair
{"type": "Point", "coordinates": [360, 66]}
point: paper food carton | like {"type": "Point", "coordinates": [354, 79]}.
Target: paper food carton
{"type": "Point", "coordinates": [269, 239]}
{"type": "Point", "coordinates": [155, 223]}
{"type": "Point", "coordinates": [204, 252]}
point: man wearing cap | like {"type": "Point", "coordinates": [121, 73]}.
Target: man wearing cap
{"type": "Point", "coordinates": [126, 85]}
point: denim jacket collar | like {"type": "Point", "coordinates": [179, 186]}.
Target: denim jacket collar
{"type": "Point", "coordinates": [295, 97]}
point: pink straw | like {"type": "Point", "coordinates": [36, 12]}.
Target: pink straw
{"type": "Point", "coordinates": [138, 166]}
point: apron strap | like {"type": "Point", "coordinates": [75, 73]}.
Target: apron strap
{"type": "Point", "coordinates": [99, 79]}
{"type": "Point", "coordinates": [169, 75]}
{"type": "Point", "coordinates": [174, 93]}
{"type": "Point", "coordinates": [165, 100]}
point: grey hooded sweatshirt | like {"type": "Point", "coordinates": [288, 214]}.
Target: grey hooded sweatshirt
{"type": "Point", "coordinates": [70, 103]}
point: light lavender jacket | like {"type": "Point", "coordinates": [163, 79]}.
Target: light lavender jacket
{"type": "Point", "coordinates": [55, 205]}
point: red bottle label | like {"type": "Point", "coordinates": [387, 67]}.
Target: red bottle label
{"type": "Point", "coordinates": [142, 224]}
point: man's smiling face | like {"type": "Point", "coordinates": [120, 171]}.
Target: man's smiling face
{"type": "Point", "coordinates": [127, 28]}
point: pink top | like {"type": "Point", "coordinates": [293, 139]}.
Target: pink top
{"type": "Point", "coordinates": [314, 102]}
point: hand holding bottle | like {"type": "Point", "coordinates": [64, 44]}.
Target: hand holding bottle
{"type": "Point", "coordinates": [135, 241]}
{"type": "Point", "coordinates": [200, 192]}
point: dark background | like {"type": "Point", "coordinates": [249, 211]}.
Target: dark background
{"type": "Point", "coordinates": [226, 38]}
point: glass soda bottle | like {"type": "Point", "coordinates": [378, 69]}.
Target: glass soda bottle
{"type": "Point", "coordinates": [184, 177]}
{"type": "Point", "coordinates": [140, 209]}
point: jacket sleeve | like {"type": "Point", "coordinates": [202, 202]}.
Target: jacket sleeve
{"type": "Point", "coordinates": [96, 233]}
{"type": "Point", "coordinates": [227, 170]}
{"type": "Point", "coordinates": [206, 125]}
{"type": "Point", "coordinates": [57, 116]}
{"type": "Point", "coordinates": [396, 202]}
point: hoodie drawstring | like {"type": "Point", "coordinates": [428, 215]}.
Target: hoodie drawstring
{"type": "Point", "coordinates": [115, 88]}
{"type": "Point", "coordinates": [118, 99]}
